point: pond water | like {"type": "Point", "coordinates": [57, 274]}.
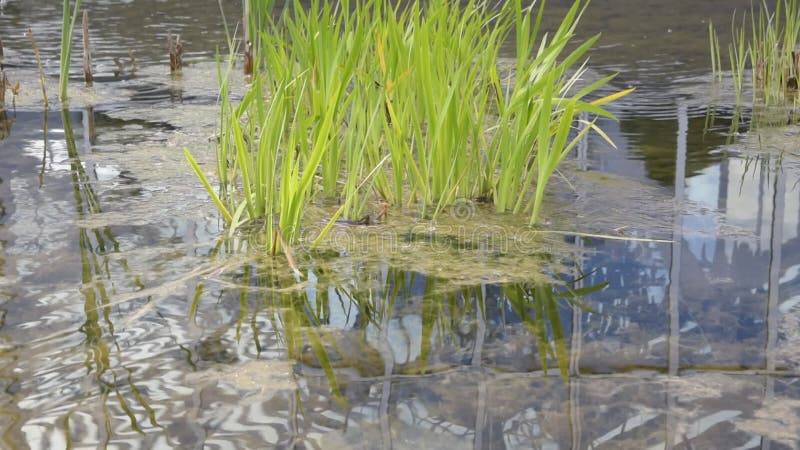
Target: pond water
{"type": "Point", "coordinates": [128, 321]}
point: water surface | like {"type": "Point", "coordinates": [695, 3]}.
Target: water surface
{"type": "Point", "coordinates": [126, 321]}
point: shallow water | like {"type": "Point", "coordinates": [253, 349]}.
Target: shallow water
{"type": "Point", "coordinates": [125, 321]}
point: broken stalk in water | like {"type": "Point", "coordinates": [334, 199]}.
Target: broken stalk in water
{"type": "Point", "coordinates": [175, 47]}
{"type": "Point", "coordinates": [248, 49]}
{"type": "Point", "coordinates": [87, 51]}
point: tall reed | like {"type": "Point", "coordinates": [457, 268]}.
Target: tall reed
{"type": "Point", "coordinates": [716, 60]}
{"type": "Point", "coordinates": [69, 18]}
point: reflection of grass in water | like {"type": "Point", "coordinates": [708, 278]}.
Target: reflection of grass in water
{"type": "Point", "coordinates": [543, 300]}
{"type": "Point", "coordinates": [368, 299]}
{"type": "Point", "coordinates": [98, 327]}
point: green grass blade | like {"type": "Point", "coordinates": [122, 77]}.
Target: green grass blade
{"type": "Point", "coordinates": [209, 189]}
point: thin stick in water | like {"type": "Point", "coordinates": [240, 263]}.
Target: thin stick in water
{"type": "Point", "coordinates": [87, 51]}
{"type": "Point", "coordinates": [39, 63]}
{"type": "Point", "coordinates": [3, 85]}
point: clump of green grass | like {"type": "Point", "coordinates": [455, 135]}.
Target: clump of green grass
{"type": "Point", "coordinates": [463, 126]}
{"type": "Point", "coordinates": [770, 52]}
{"type": "Point", "coordinates": [412, 102]}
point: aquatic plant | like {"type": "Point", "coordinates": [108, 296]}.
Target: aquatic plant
{"type": "Point", "coordinates": [70, 16]}
{"type": "Point", "coordinates": [464, 123]}
{"type": "Point", "coordinates": [349, 99]}
{"type": "Point", "coordinates": [770, 49]}
{"type": "Point", "coordinates": [716, 59]}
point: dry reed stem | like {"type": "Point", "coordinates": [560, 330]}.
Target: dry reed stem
{"type": "Point", "coordinates": [248, 58]}
{"type": "Point", "coordinates": [132, 55]}
{"type": "Point", "coordinates": [39, 63]}
{"type": "Point", "coordinates": [605, 236]}
{"type": "Point", "coordinates": [5, 123]}
{"type": "Point", "coordinates": [278, 237]}
{"type": "Point", "coordinates": [248, 49]}
{"type": "Point", "coordinates": [120, 66]}
{"type": "Point", "coordinates": [87, 51]}
{"type": "Point", "coordinates": [175, 53]}
{"type": "Point", "coordinates": [792, 72]}
{"type": "Point", "coordinates": [3, 85]}
{"type": "Point", "coordinates": [3, 80]}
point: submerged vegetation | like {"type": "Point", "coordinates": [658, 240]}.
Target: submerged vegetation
{"type": "Point", "coordinates": [412, 105]}
{"type": "Point", "coordinates": [768, 50]}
